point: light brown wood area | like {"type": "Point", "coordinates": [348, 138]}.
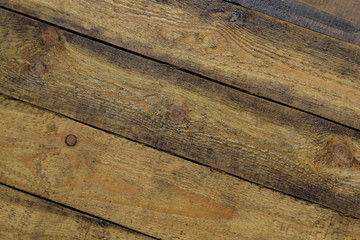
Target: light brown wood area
{"type": "Point", "coordinates": [337, 18]}
{"type": "Point", "coordinates": [26, 217]}
{"type": "Point", "coordinates": [225, 42]}
{"type": "Point", "coordinates": [270, 144]}
{"type": "Point", "coordinates": [147, 190]}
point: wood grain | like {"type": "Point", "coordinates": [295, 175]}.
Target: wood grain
{"type": "Point", "coordinates": [148, 190]}
{"type": "Point", "coordinates": [26, 217]}
{"type": "Point", "coordinates": [225, 42]}
{"type": "Point", "coordinates": [337, 18]}
{"type": "Point", "coordinates": [263, 142]}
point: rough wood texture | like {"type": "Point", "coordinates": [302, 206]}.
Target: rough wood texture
{"type": "Point", "coordinates": [337, 18]}
{"type": "Point", "coordinates": [26, 217]}
{"type": "Point", "coordinates": [252, 138]}
{"type": "Point", "coordinates": [148, 190]}
{"type": "Point", "coordinates": [226, 42]}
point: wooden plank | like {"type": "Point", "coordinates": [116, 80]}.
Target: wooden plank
{"type": "Point", "coordinates": [225, 42]}
{"type": "Point", "coordinates": [148, 190]}
{"type": "Point", "coordinates": [337, 18]}
{"type": "Point", "coordinates": [255, 139]}
{"type": "Point", "coordinates": [26, 217]}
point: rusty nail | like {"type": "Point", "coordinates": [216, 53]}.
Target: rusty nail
{"type": "Point", "coordinates": [71, 140]}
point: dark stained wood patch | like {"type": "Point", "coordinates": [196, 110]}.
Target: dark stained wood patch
{"type": "Point", "coordinates": [335, 18]}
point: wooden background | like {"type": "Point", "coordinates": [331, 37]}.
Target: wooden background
{"type": "Point", "coordinates": [177, 120]}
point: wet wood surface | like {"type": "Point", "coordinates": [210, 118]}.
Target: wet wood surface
{"type": "Point", "coordinates": [142, 188]}
{"type": "Point", "coordinates": [266, 143]}
{"type": "Point", "coordinates": [225, 42]}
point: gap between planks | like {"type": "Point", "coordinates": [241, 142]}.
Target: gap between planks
{"type": "Point", "coordinates": [99, 40]}
{"type": "Point", "coordinates": [327, 17]}
{"type": "Point", "coordinates": [263, 55]}
{"type": "Point", "coordinates": [211, 168]}
{"type": "Point", "coordinates": [148, 190]}
{"type": "Point", "coordinates": [242, 113]}
{"type": "Point", "coordinates": [102, 228]}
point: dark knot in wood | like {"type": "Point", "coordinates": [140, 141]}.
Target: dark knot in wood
{"type": "Point", "coordinates": [177, 114]}
{"type": "Point", "coordinates": [233, 16]}
{"type": "Point", "coordinates": [38, 68]}
{"type": "Point", "coordinates": [339, 154]}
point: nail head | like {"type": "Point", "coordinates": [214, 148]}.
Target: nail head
{"type": "Point", "coordinates": [71, 140]}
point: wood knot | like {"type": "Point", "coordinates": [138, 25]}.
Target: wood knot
{"type": "Point", "coordinates": [49, 35]}
{"type": "Point", "coordinates": [241, 18]}
{"type": "Point", "coordinates": [339, 154]}
{"type": "Point", "coordinates": [38, 68]}
{"type": "Point", "coordinates": [233, 16]}
{"type": "Point", "coordinates": [177, 114]}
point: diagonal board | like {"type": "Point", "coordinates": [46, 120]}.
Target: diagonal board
{"type": "Point", "coordinates": [225, 42]}
{"type": "Point", "coordinates": [148, 190]}
{"type": "Point", "coordinates": [337, 18]}
{"type": "Point", "coordinates": [26, 217]}
{"type": "Point", "coordinates": [263, 142]}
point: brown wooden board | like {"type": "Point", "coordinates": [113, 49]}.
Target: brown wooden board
{"type": "Point", "coordinates": [152, 103]}
{"type": "Point", "coordinates": [337, 18]}
{"type": "Point", "coordinates": [148, 190]}
{"type": "Point", "coordinates": [23, 216]}
{"type": "Point", "coordinates": [226, 42]}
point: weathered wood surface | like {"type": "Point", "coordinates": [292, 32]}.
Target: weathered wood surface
{"type": "Point", "coordinates": [261, 141]}
{"type": "Point", "coordinates": [148, 190]}
{"type": "Point", "coordinates": [337, 18]}
{"type": "Point", "coordinates": [26, 217]}
{"type": "Point", "coordinates": [226, 42]}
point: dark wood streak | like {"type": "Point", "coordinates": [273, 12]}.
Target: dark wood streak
{"type": "Point", "coordinates": [138, 187]}
{"type": "Point", "coordinates": [228, 43]}
{"type": "Point", "coordinates": [309, 15]}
